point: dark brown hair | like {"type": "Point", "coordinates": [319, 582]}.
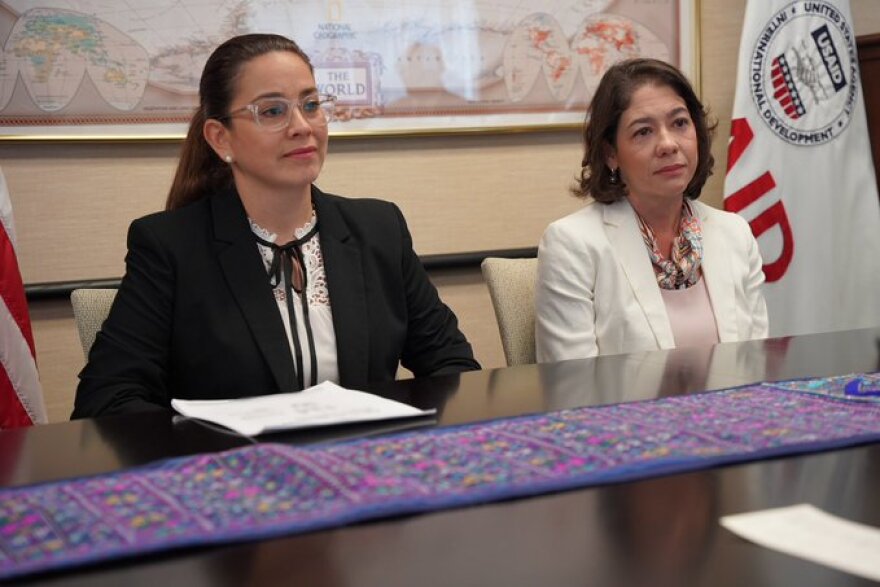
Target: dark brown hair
{"type": "Point", "coordinates": [611, 99]}
{"type": "Point", "coordinates": [200, 171]}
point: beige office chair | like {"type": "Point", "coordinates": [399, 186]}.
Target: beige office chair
{"type": "Point", "coordinates": [90, 309]}
{"type": "Point", "coordinates": [511, 285]}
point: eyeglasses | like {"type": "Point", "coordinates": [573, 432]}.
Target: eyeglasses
{"type": "Point", "coordinates": [274, 114]}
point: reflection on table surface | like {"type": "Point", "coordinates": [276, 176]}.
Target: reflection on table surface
{"type": "Point", "coordinates": [662, 531]}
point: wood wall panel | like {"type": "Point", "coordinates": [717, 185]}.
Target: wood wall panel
{"type": "Point", "coordinates": [73, 202]}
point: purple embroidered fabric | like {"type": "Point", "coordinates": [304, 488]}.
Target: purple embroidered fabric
{"type": "Point", "coordinates": [271, 490]}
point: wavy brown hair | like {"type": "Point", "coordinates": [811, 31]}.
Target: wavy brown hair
{"type": "Point", "coordinates": [611, 99]}
{"type": "Point", "coordinates": [200, 172]}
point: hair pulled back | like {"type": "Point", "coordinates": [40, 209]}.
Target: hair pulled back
{"type": "Point", "coordinates": [200, 172]}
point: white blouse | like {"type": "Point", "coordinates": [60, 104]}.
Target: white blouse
{"type": "Point", "coordinates": [318, 296]}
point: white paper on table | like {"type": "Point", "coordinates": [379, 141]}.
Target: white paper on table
{"type": "Point", "coordinates": [325, 404]}
{"type": "Point", "coordinates": [807, 532]}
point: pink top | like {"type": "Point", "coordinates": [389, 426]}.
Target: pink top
{"type": "Point", "coordinates": [690, 315]}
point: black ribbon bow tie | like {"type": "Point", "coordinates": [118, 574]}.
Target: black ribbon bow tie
{"type": "Point", "coordinates": [284, 258]}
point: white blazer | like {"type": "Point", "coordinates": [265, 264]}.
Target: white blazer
{"type": "Point", "coordinates": [596, 292]}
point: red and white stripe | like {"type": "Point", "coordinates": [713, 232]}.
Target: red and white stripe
{"type": "Point", "coordinates": [785, 91]}
{"type": "Point", "coordinates": [21, 396]}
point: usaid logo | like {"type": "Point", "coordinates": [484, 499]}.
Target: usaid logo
{"type": "Point", "coordinates": [803, 75]}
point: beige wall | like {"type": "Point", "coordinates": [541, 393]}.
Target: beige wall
{"type": "Point", "coordinates": [73, 201]}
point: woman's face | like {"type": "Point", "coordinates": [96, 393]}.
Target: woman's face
{"type": "Point", "coordinates": [264, 160]}
{"type": "Point", "coordinates": [656, 145]}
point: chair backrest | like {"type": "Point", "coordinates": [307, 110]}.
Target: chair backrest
{"type": "Point", "coordinates": [511, 285]}
{"type": "Point", "coordinates": [90, 309]}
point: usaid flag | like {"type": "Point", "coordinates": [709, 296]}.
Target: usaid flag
{"type": "Point", "coordinates": [799, 166]}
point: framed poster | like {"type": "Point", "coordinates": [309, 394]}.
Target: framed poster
{"type": "Point", "coordinates": [129, 69]}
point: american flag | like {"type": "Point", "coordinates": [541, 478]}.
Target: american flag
{"type": "Point", "coordinates": [21, 396]}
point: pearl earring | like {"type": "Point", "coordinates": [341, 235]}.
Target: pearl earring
{"type": "Point", "coordinates": [228, 158]}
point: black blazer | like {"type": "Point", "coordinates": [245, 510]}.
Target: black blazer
{"type": "Point", "coordinates": [195, 316]}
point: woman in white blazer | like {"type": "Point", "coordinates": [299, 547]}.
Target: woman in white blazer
{"type": "Point", "coordinates": [643, 265]}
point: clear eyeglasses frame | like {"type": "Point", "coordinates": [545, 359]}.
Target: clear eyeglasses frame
{"type": "Point", "coordinates": [275, 114]}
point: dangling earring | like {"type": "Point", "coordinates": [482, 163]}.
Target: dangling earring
{"type": "Point", "coordinates": [228, 158]}
{"type": "Point", "coordinates": [614, 176]}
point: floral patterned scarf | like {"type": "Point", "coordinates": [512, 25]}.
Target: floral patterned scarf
{"type": "Point", "coordinates": [683, 269]}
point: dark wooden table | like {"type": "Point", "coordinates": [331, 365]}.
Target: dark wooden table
{"type": "Point", "coordinates": [663, 531]}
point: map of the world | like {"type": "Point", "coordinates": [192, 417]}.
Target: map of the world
{"type": "Point", "coordinates": [131, 63]}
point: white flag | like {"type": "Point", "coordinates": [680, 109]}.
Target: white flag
{"type": "Point", "coordinates": [21, 396]}
{"type": "Point", "coordinates": [800, 168]}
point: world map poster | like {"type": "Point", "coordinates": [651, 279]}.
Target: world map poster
{"type": "Point", "coordinates": [130, 68]}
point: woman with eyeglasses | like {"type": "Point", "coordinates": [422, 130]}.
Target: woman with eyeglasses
{"type": "Point", "coordinates": [253, 281]}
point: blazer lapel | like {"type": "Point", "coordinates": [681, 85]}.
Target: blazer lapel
{"type": "Point", "coordinates": [348, 299]}
{"type": "Point", "coordinates": [243, 269]}
{"type": "Point", "coordinates": [717, 271]}
{"type": "Point", "coordinates": [623, 232]}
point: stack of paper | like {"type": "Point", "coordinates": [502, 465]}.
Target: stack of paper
{"type": "Point", "coordinates": [325, 404]}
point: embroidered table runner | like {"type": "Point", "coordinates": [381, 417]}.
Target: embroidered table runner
{"type": "Point", "coordinates": [269, 490]}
